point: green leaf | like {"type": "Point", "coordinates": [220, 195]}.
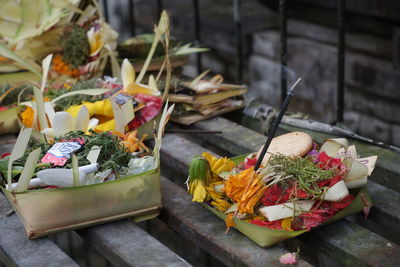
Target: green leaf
{"type": "Point", "coordinates": [40, 110]}
{"type": "Point", "coordinates": [28, 170]}
{"type": "Point", "coordinates": [18, 151]}
{"type": "Point", "coordinates": [5, 52]}
{"type": "Point", "coordinates": [95, 91]}
{"type": "Point", "coordinates": [75, 170]}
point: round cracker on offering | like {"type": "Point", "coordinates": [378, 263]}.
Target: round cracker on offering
{"type": "Point", "coordinates": [290, 144]}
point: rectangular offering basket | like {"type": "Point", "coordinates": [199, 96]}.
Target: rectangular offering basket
{"type": "Point", "coordinates": [48, 211]}
{"type": "Point", "coordinates": [266, 237]}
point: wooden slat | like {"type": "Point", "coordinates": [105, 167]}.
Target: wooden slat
{"type": "Point", "coordinates": [387, 202]}
{"type": "Point", "coordinates": [125, 244]}
{"type": "Point", "coordinates": [207, 231]}
{"type": "Point", "coordinates": [18, 250]}
{"type": "Point", "coordinates": [336, 245]}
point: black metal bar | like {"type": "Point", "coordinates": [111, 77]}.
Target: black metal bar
{"type": "Point", "coordinates": [197, 32]}
{"type": "Point", "coordinates": [283, 31]}
{"type": "Point", "coordinates": [105, 10]}
{"type": "Point", "coordinates": [239, 40]}
{"type": "Point", "coordinates": [160, 7]}
{"type": "Point", "coordinates": [340, 58]}
{"type": "Point", "coordinates": [132, 17]}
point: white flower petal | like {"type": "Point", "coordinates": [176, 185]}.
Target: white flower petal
{"type": "Point", "coordinates": [82, 119]}
{"type": "Point", "coordinates": [63, 123]}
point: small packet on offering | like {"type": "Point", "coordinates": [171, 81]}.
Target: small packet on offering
{"type": "Point", "coordinates": [60, 152]}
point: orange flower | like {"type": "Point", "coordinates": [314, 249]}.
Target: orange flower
{"type": "Point", "coordinates": [131, 143]}
{"type": "Point", "coordinates": [217, 198]}
{"type": "Point", "coordinates": [246, 189]}
{"type": "Point", "coordinates": [28, 116]}
{"type": "Point", "coordinates": [229, 220]}
{"type": "Point", "coordinates": [62, 67]}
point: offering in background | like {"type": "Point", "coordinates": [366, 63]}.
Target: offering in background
{"type": "Point", "coordinates": [205, 98]}
{"type": "Point", "coordinates": [74, 31]}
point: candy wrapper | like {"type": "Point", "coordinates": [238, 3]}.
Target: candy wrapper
{"type": "Point", "coordinates": [298, 187]}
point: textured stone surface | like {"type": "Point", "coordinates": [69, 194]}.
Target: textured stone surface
{"type": "Point", "coordinates": [396, 135]}
{"type": "Point", "coordinates": [360, 42]}
{"type": "Point", "coordinates": [373, 76]}
{"type": "Point", "coordinates": [383, 109]}
{"type": "Point", "coordinates": [368, 126]}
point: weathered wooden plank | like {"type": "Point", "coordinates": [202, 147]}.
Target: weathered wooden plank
{"type": "Point", "coordinates": [17, 250]}
{"type": "Point", "coordinates": [387, 206]}
{"type": "Point", "coordinates": [334, 244]}
{"type": "Point", "coordinates": [235, 138]}
{"type": "Point", "coordinates": [125, 244]}
{"type": "Point", "coordinates": [207, 231]}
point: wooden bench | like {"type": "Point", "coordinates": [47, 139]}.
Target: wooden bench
{"type": "Point", "coordinates": [351, 241]}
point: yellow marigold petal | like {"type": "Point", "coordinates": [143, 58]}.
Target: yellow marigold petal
{"type": "Point", "coordinates": [28, 116]}
{"type": "Point", "coordinates": [287, 224]}
{"type": "Point", "coordinates": [229, 220]}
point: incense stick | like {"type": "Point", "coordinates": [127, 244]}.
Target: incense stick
{"type": "Point", "coordinates": [269, 139]}
{"type": "Point", "coordinates": [276, 125]}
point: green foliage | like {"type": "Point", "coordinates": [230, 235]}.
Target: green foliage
{"type": "Point", "coordinates": [286, 170]}
{"type": "Point", "coordinates": [76, 46]}
{"type": "Point", "coordinates": [75, 99]}
{"type": "Point", "coordinates": [112, 155]}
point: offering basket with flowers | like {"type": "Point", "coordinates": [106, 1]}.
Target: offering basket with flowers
{"type": "Point", "coordinates": [64, 173]}
{"type": "Point", "coordinates": [288, 188]}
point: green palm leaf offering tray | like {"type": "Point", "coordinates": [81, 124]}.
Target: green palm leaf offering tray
{"type": "Point", "coordinates": [67, 172]}
{"type": "Point", "coordinates": [79, 178]}
{"type": "Point", "coordinates": [297, 187]}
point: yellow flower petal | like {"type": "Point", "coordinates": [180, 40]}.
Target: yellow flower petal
{"type": "Point", "coordinates": [287, 224]}
{"type": "Point", "coordinates": [135, 88]}
{"type": "Point", "coordinates": [102, 107]}
{"type": "Point", "coordinates": [198, 191]}
{"type": "Point", "coordinates": [106, 126]}
{"type": "Point", "coordinates": [219, 165]}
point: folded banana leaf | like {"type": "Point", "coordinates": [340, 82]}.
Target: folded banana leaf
{"type": "Point", "coordinates": [48, 211]}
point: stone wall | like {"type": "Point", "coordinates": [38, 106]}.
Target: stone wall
{"type": "Point", "coordinates": [372, 97]}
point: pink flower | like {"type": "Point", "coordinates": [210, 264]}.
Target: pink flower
{"type": "Point", "coordinates": [288, 258]}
